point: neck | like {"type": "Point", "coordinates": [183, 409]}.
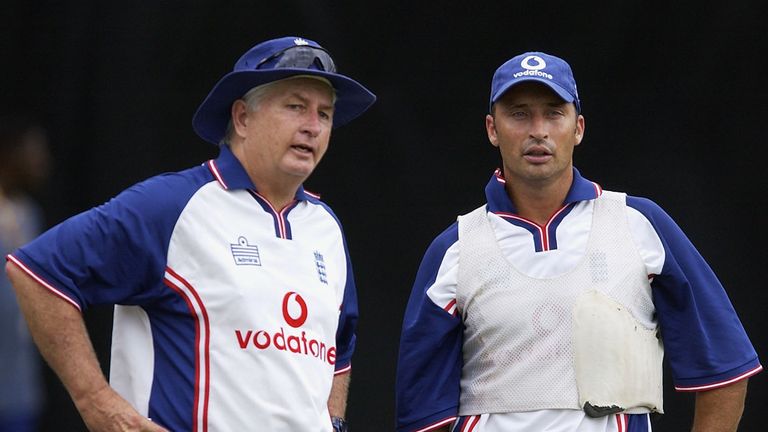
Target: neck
{"type": "Point", "coordinates": [278, 189]}
{"type": "Point", "coordinates": [279, 197]}
{"type": "Point", "coordinates": [539, 201]}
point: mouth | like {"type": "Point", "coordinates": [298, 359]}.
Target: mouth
{"type": "Point", "coordinates": [303, 148]}
{"type": "Point", "coordinates": [537, 154]}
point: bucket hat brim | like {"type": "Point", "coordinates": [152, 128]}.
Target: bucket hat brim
{"type": "Point", "coordinates": [212, 117]}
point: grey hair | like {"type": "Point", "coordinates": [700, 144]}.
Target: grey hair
{"type": "Point", "coordinates": [256, 95]}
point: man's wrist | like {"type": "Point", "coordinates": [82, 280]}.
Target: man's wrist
{"type": "Point", "coordinates": [339, 424]}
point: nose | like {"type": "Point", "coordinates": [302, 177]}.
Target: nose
{"type": "Point", "coordinates": [539, 128]}
{"type": "Point", "coordinates": [312, 125]}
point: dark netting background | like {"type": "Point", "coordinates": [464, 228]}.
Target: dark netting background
{"type": "Point", "coordinates": [674, 98]}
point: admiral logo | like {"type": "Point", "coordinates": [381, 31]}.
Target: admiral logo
{"type": "Point", "coordinates": [244, 253]}
{"type": "Point", "coordinates": [533, 65]}
{"type": "Point", "coordinates": [295, 313]}
{"type": "Point", "coordinates": [300, 41]}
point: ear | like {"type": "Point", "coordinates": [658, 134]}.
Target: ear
{"type": "Point", "coordinates": [490, 128]}
{"type": "Point", "coordinates": [579, 130]}
{"type": "Point", "coordinates": [239, 114]}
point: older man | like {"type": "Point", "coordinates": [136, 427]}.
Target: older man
{"type": "Point", "coordinates": [235, 301]}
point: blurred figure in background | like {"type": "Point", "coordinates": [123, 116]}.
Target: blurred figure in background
{"type": "Point", "coordinates": [24, 166]}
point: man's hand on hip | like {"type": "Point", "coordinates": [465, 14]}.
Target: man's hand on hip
{"type": "Point", "coordinates": [106, 411]}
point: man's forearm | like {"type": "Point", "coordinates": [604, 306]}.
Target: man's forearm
{"type": "Point", "coordinates": [60, 334]}
{"type": "Point", "coordinates": [720, 410]}
{"type": "Point", "coordinates": [337, 400]}
{"type": "Point", "coordinates": [59, 331]}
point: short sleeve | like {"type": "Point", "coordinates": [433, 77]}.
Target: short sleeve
{"type": "Point", "coordinates": [346, 331]}
{"type": "Point", "coordinates": [705, 343]}
{"type": "Point", "coordinates": [430, 359]}
{"type": "Point", "coordinates": [114, 253]}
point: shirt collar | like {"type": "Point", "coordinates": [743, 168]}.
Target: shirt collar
{"type": "Point", "coordinates": [498, 200]}
{"type": "Point", "coordinates": [230, 174]}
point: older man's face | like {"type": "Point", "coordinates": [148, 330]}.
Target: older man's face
{"type": "Point", "coordinates": [287, 134]}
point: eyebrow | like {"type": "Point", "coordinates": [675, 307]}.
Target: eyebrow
{"type": "Point", "coordinates": [305, 99]}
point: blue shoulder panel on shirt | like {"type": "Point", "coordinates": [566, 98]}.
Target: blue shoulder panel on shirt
{"type": "Point", "coordinates": [115, 253]}
{"type": "Point", "coordinates": [704, 340]}
{"type": "Point", "coordinates": [430, 361]}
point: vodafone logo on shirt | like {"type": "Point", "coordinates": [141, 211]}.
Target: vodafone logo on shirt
{"type": "Point", "coordinates": [302, 317]}
{"type": "Point", "coordinates": [295, 313]}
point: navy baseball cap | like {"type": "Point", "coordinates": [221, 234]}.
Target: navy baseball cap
{"type": "Point", "coordinates": [540, 67]}
{"type": "Point", "coordinates": [274, 60]}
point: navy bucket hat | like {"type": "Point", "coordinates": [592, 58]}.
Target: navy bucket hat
{"type": "Point", "coordinates": [274, 60]}
{"type": "Point", "coordinates": [536, 66]}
